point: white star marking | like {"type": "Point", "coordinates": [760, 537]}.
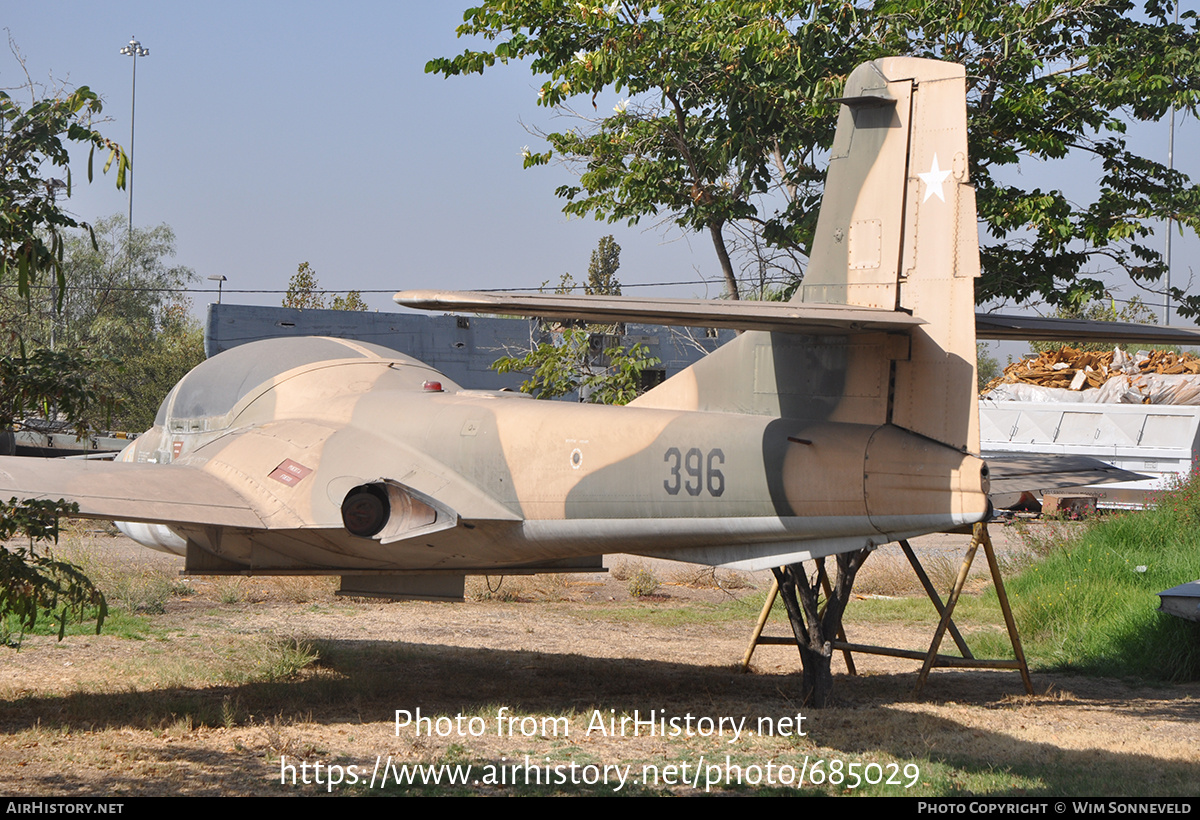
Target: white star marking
{"type": "Point", "coordinates": [933, 179]}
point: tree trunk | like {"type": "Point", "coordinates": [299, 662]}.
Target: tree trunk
{"type": "Point", "coordinates": [714, 229]}
{"type": "Point", "coordinates": [815, 626]}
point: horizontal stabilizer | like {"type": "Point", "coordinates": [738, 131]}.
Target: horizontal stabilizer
{"type": "Point", "coordinates": [1182, 601]}
{"type": "Point", "coordinates": [1015, 474]}
{"type": "Point", "coordinates": [784, 317]}
{"type": "Point", "coordinates": [121, 491]}
{"type": "Point", "coordinates": [1048, 329]}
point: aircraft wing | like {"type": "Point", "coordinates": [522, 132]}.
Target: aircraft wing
{"type": "Point", "coordinates": [1027, 472]}
{"type": "Point", "coordinates": [1048, 329]}
{"type": "Point", "coordinates": [129, 492]}
{"type": "Point", "coordinates": [785, 317]}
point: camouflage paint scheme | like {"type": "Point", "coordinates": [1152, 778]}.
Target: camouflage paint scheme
{"type": "Point", "coordinates": [844, 419]}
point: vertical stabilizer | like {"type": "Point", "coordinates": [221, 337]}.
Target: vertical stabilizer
{"type": "Point", "coordinates": [897, 231]}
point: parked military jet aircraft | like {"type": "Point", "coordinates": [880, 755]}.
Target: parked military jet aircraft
{"type": "Point", "coordinates": [842, 419]}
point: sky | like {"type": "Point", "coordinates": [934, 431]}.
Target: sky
{"type": "Point", "coordinates": [274, 133]}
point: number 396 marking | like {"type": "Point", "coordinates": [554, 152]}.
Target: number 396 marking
{"type": "Point", "coordinates": [702, 472]}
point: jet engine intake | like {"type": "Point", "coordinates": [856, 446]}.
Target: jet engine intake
{"type": "Point", "coordinates": [389, 511]}
{"type": "Point", "coordinates": [366, 510]}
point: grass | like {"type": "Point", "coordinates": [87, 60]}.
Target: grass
{"type": "Point", "coordinates": [887, 572]}
{"type": "Point", "coordinates": [712, 578]}
{"type": "Point", "coordinates": [1089, 603]}
{"type": "Point", "coordinates": [1085, 598]}
{"type": "Point", "coordinates": [231, 589]}
{"type": "Point", "coordinates": [642, 583]}
{"type": "Point", "coordinates": [272, 660]}
{"type": "Point", "coordinates": [260, 659]}
{"type": "Point", "coordinates": [133, 591]}
{"type": "Point", "coordinates": [241, 701]}
{"type": "Point", "coordinates": [937, 778]}
{"type": "Point", "coordinates": [228, 699]}
{"type": "Point", "coordinates": [1081, 602]}
{"type": "Point", "coordinates": [119, 623]}
{"type": "Point", "coordinates": [971, 609]}
{"type": "Point", "coordinates": [893, 753]}
{"type": "Point", "coordinates": [575, 774]}
{"type": "Point", "coordinates": [135, 587]}
{"type": "Point", "coordinates": [514, 588]}
{"type": "Point", "coordinates": [304, 589]}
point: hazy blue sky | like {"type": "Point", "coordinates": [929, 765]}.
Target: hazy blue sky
{"type": "Point", "coordinates": [271, 133]}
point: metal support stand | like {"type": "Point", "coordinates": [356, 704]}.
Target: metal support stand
{"type": "Point", "coordinates": [946, 622]}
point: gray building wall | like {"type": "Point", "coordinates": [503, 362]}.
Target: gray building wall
{"type": "Point", "coordinates": [461, 347]}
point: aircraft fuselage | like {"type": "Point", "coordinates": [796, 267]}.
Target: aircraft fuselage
{"type": "Point", "coordinates": [543, 480]}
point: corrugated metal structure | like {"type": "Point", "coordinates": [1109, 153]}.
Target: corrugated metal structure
{"type": "Point", "coordinates": [1162, 441]}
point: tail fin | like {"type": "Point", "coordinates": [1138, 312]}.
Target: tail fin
{"type": "Point", "coordinates": [897, 231]}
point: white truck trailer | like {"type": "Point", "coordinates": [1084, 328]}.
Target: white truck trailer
{"type": "Point", "coordinates": [1160, 441]}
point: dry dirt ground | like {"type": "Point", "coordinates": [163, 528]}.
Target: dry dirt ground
{"type": "Point", "coordinates": [219, 695]}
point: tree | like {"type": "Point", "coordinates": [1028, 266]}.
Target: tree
{"type": "Point", "coordinates": [815, 623]}
{"type": "Point", "coordinates": [125, 306]}
{"type": "Point", "coordinates": [33, 583]}
{"type": "Point", "coordinates": [602, 271]}
{"type": "Point", "coordinates": [1099, 310]}
{"type": "Point", "coordinates": [351, 301]}
{"type": "Point", "coordinates": [34, 225]}
{"type": "Point", "coordinates": [303, 290]}
{"type": "Point", "coordinates": [569, 363]}
{"type": "Point", "coordinates": [729, 117]}
{"type": "Point", "coordinates": [32, 228]}
{"type": "Point", "coordinates": [304, 293]}
{"type": "Point", "coordinates": [987, 366]}
{"type": "Point", "coordinates": [151, 362]}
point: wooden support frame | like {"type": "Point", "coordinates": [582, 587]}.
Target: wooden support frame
{"type": "Point", "coordinates": [931, 658]}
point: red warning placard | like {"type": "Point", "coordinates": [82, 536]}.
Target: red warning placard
{"type": "Point", "coordinates": [289, 472]}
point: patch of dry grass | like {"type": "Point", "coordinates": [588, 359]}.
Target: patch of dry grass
{"type": "Point", "coordinates": [503, 588]}
{"type": "Point", "coordinates": [888, 573]}
{"type": "Point", "coordinates": [642, 582]}
{"type": "Point", "coordinates": [138, 586]}
{"type": "Point", "coordinates": [712, 578]}
{"type": "Point", "coordinates": [550, 586]}
{"type": "Point", "coordinates": [304, 589]}
{"type": "Point", "coordinates": [167, 716]}
{"type": "Point", "coordinates": [639, 578]}
{"type": "Point", "coordinates": [622, 570]}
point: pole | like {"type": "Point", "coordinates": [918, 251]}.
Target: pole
{"type": "Point", "coordinates": [134, 50]}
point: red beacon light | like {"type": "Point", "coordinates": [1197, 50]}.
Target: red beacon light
{"type": "Point", "coordinates": [432, 387]}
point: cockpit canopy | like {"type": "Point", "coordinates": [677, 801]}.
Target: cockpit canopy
{"type": "Point", "coordinates": [216, 385]}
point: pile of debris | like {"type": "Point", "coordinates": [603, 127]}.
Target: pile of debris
{"type": "Point", "coordinates": [1111, 377]}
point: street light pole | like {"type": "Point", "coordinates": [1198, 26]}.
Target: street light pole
{"type": "Point", "coordinates": [220, 280]}
{"type": "Point", "coordinates": [134, 50]}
